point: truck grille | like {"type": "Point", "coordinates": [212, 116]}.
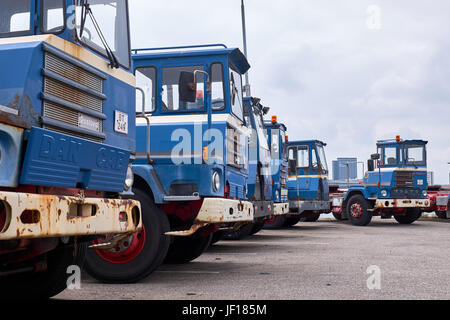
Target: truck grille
{"type": "Point", "coordinates": [283, 176]}
{"type": "Point", "coordinates": [72, 96]}
{"type": "Point", "coordinates": [404, 179]}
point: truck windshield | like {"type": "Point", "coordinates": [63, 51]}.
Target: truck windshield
{"type": "Point", "coordinates": [389, 156]}
{"type": "Point", "coordinates": [323, 159]}
{"type": "Point", "coordinates": [14, 16]}
{"type": "Point", "coordinates": [112, 19]}
{"type": "Point", "coordinates": [236, 94]}
{"type": "Point", "coordinates": [260, 130]}
{"type": "Point", "coordinates": [415, 155]}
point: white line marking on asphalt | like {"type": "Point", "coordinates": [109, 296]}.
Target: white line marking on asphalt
{"type": "Point", "coordinates": [193, 272]}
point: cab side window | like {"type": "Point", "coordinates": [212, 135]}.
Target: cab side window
{"type": "Point", "coordinates": [217, 87]}
{"type": "Point", "coordinates": [170, 89]}
{"type": "Point", "coordinates": [53, 16]}
{"type": "Point", "coordinates": [146, 81]}
{"type": "Point", "coordinates": [15, 16]}
{"type": "Point", "coordinates": [303, 157]}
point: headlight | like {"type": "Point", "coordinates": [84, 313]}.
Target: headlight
{"type": "Point", "coordinates": [384, 193]}
{"type": "Point", "coordinates": [216, 181]}
{"type": "Point", "coordinates": [425, 193]}
{"type": "Point", "coordinates": [277, 195]}
{"type": "Point", "coordinates": [129, 180]}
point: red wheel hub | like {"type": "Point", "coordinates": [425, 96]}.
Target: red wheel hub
{"type": "Point", "coordinates": [272, 220]}
{"type": "Point", "coordinates": [356, 210]}
{"type": "Point", "coordinates": [127, 251]}
{"type": "Point", "coordinates": [2, 219]}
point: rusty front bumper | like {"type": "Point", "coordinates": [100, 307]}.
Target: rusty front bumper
{"type": "Point", "coordinates": [400, 203]}
{"type": "Point", "coordinates": [299, 206]}
{"type": "Point", "coordinates": [28, 216]}
{"type": "Point", "coordinates": [280, 209]}
{"type": "Point", "coordinates": [220, 211]}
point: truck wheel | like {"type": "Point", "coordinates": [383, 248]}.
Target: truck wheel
{"type": "Point", "coordinates": [357, 211]}
{"type": "Point", "coordinates": [139, 255]}
{"type": "Point", "coordinates": [239, 234]}
{"type": "Point", "coordinates": [46, 284]}
{"type": "Point", "coordinates": [411, 216]}
{"type": "Point", "coordinates": [292, 221]}
{"type": "Point", "coordinates": [312, 218]}
{"type": "Point", "coordinates": [275, 223]}
{"type": "Point", "coordinates": [186, 249]}
{"type": "Point", "coordinates": [441, 214]}
{"type": "Point", "coordinates": [257, 227]}
{"type": "Point", "coordinates": [338, 216]}
{"type": "Point", "coordinates": [217, 236]}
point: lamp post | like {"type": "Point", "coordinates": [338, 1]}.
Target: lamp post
{"type": "Point", "coordinates": [244, 35]}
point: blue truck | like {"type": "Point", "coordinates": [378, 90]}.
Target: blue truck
{"type": "Point", "coordinates": [191, 168]}
{"type": "Point", "coordinates": [67, 138]}
{"type": "Point", "coordinates": [265, 185]}
{"type": "Point", "coordinates": [278, 142]}
{"type": "Point", "coordinates": [394, 186]}
{"type": "Point", "coordinates": [308, 189]}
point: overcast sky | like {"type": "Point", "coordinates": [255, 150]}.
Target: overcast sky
{"type": "Point", "coordinates": [348, 72]}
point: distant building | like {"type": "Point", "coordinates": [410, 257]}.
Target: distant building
{"type": "Point", "coordinates": [430, 178]}
{"type": "Point", "coordinates": [345, 168]}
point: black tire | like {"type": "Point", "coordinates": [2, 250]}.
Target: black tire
{"type": "Point", "coordinates": [140, 265]}
{"type": "Point", "coordinates": [47, 284]}
{"type": "Point", "coordinates": [257, 227]}
{"type": "Point", "coordinates": [239, 234]}
{"type": "Point", "coordinates": [186, 249]}
{"type": "Point", "coordinates": [313, 217]}
{"type": "Point", "coordinates": [412, 215]}
{"type": "Point", "coordinates": [291, 221]}
{"type": "Point", "coordinates": [357, 211]}
{"type": "Point", "coordinates": [217, 236]}
{"type": "Point", "coordinates": [441, 215]}
{"type": "Point", "coordinates": [275, 223]}
{"type": "Point", "coordinates": [338, 217]}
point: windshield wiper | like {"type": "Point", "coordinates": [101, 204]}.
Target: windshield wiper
{"type": "Point", "coordinates": [86, 10]}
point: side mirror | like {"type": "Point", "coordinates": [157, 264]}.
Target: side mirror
{"type": "Point", "coordinates": [370, 165]}
{"type": "Point", "coordinates": [266, 110]}
{"type": "Point", "coordinates": [375, 156]}
{"type": "Point", "coordinates": [187, 89]}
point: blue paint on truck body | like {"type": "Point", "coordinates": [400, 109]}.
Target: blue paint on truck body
{"type": "Point", "coordinates": [277, 138]}
{"type": "Point", "coordinates": [401, 174]}
{"type": "Point", "coordinates": [308, 171]}
{"type": "Point", "coordinates": [190, 142]}
{"type": "Point", "coordinates": [68, 122]}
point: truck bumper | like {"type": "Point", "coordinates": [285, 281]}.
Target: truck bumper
{"type": "Point", "coordinates": [401, 203]}
{"type": "Point", "coordinates": [218, 210]}
{"type": "Point", "coordinates": [299, 206]}
{"type": "Point", "coordinates": [31, 216]}
{"type": "Point", "coordinates": [280, 209]}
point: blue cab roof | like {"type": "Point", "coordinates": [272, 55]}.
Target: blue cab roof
{"type": "Point", "coordinates": [235, 55]}
{"type": "Point", "coordinates": [395, 141]}
{"type": "Point", "coordinates": [303, 142]}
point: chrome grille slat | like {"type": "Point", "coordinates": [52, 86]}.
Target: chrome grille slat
{"type": "Point", "coordinates": [73, 95]}
{"type": "Point", "coordinates": [404, 179]}
{"type": "Point", "coordinates": [72, 90]}
{"type": "Point", "coordinates": [72, 72]}
{"type": "Point", "coordinates": [59, 113]}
